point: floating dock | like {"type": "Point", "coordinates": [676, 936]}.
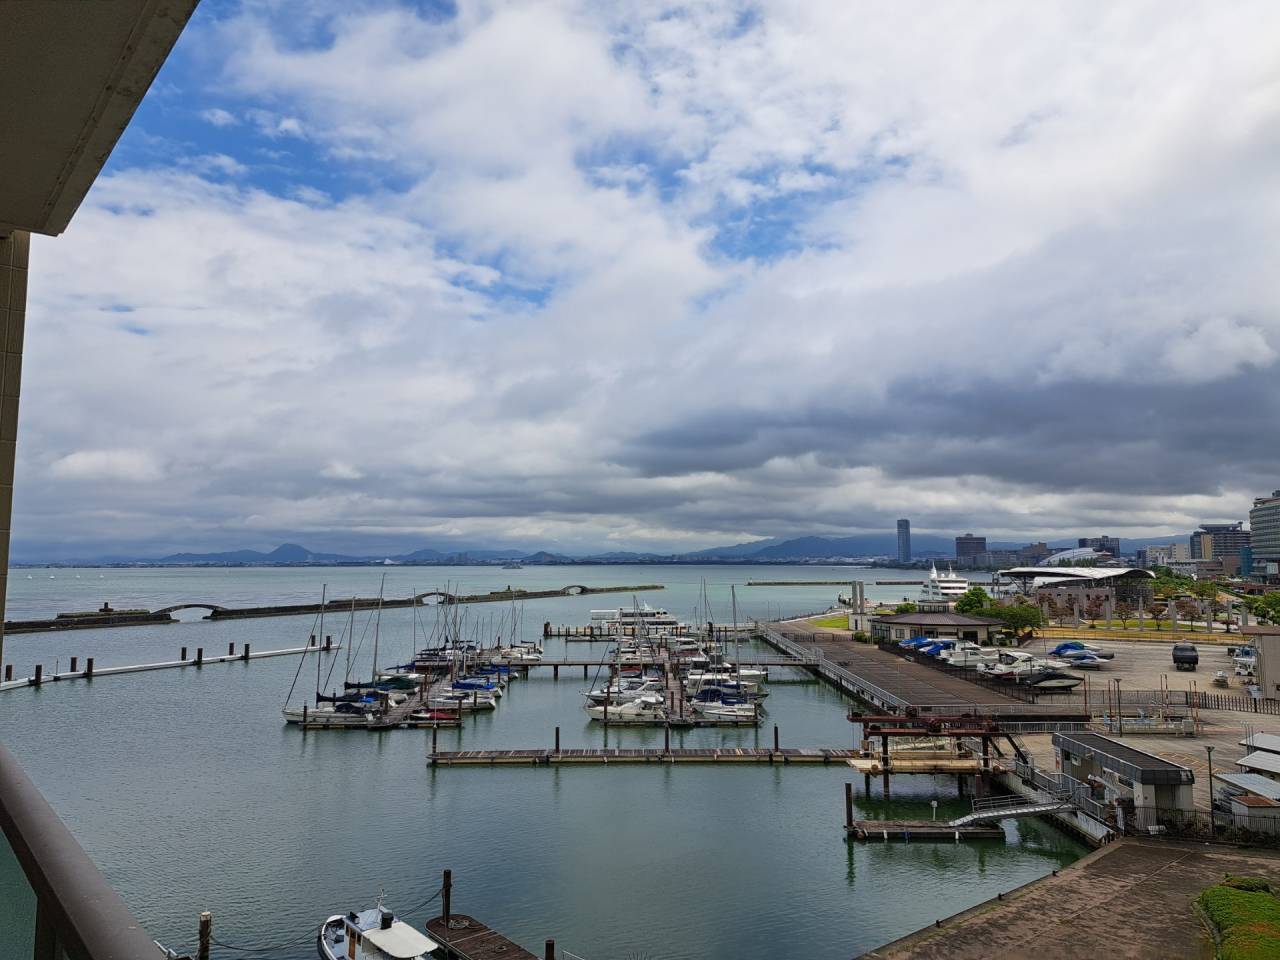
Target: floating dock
{"type": "Point", "coordinates": [905, 831]}
{"type": "Point", "coordinates": [467, 938]}
{"type": "Point", "coordinates": [552, 757]}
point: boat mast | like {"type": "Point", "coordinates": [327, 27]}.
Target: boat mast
{"type": "Point", "coordinates": [351, 637]}
{"type": "Point", "coordinates": [320, 641]}
{"type": "Point", "coordinates": [377, 625]}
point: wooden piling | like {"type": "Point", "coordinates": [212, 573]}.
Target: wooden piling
{"type": "Point", "coordinates": [557, 739]}
{"type": "Point", "coordinates": [435, 736]}
{"type": "Point", "coordinates": [199, 656]}
{"type": "Point", "coordinates": [183, 654]}
{"type": "Point", "coordinates": [39, 677]}
{"type": "Point", "coordinates": [328, 641]}
{"type": "Point", "coordinates": [555, 673]}
{"type": "Point", "coordinates": [245, 656]}
{"type": "Point", "coordinates": [206, 936]}
{"type": "Point", "coordinates": [549, 952]}
{"type": "Point", "coordinates": [447, 895]}
{"type": "Point", "coordinates": [848, 805]}
{"type": "Point", "coordinates": [74, 662]}
{"type": "Point", "coordinates": [312, 642]}
{"type": "Point", "coordinates": [775, 738]}
{"type": "Point", "coordinates": [666, 738]}
{"type": "Point", "coordinates": [8, 672]}
{"type": "Point", "coordinates": [231, 649]}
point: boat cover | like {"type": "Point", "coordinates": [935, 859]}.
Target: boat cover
{"type": "Point", "coordinates": [400, 941]}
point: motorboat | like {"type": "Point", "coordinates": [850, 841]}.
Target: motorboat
{"type": "Point", "coordinates": [645, 709]}
{"type": "Point", "coordinates": [1085, 661]}
{"type": "Point", "coordinates": [1051, 680]}
{"type": "Point", "coordinates": [464, 700]}
{"type": "Point", "coordinates": [1066, 648]}
{"type": "Point", "coordinates": [518, 653]}
{"type": "Point", "coordinates": [1017, 663]}
{"type": "Point", "coordinates": [626, 690]}
{"type": "Point", "coordinates": [483, 684]}
{"type": "Point", "coordinates": [648, 619]}
{"type": "Point", "coordinates": [375, 934]}
{"type": "Point", "coordinates": [970, 654]}
{"type": "Point", "coordinates": [729, 688]}
{"type": "Point", "coordinates": [702, 678]}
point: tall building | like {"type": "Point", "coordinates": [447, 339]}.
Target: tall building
{"type": "Point", "coordinates": [970, 546]}
{"type": "Point", "coordinates": [1225, 539]}
{"type": "Point", "coordinates": [904, 541]}
{"type": "Point", "coordinates": [1201, 544]}
{"type": "Point", "coordinates": [1264, 519]}
{"type": "Point", "coordinates": [1104, 543]}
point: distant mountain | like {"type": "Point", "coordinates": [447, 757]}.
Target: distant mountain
{"type": "Point", "coordinates": [285, 553]}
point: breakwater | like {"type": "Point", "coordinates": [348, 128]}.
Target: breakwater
{"type": "Point", "coordinates": [108, 617]}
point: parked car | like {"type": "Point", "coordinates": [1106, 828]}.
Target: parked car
{"type": "Point", "coordinates": [1185, 656]}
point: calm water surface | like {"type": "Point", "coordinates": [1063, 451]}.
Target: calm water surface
{"type": "Point", "coordinates": [191, 794]}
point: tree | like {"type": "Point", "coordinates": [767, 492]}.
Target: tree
{"type": "Point", "coordinates": [1018, 617]}
{"type": "Point", "coordinates": [1124, 609]}
{"type": "Point", "coordinates": [905, 608]}
{"type": "Point", "coordinates": [1266, 607]}
{"type": "Point", "coordinates": [972, 601]}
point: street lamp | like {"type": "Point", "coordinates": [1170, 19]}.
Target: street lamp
{"type": "Point", "coordinates": [1209, 750]}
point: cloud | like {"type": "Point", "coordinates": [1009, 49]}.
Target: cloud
{"type": "Point", "coordinates": [577, 273]}
{"type": "Point", "coordinates": [106, 466]}
{"type": "Point", "coordinates": [219, 117]}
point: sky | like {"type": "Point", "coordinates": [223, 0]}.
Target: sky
{"type": "Point", "coordinates": [373, 275]}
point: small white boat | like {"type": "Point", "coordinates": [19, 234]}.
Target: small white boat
{"type": "Point", "coordinates": [375, 934]}
{"type": "Point", "coordinates": [646, 709]}
{"type": "Point", "coordinates": [703, 678]}
{"type": "Point", "coordinates": [467, 702]}
{"type": "Point", "coordinates": [727, 711]}
{"type": "Point", "coordinates": [332, 715]}
{"type": "Point", "coordinates": [518, 653]}
{"type": "Point", "coordinates": [625, 691]}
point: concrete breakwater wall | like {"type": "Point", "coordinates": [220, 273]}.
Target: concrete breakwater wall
{"type": "Point", "coordinates": [106, 617]}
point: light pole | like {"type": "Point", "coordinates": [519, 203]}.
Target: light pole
{"type": "Point", "coordinates": [1213, 824]}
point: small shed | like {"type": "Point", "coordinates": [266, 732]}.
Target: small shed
{"type": "Point", "coordinates": [942, 626]}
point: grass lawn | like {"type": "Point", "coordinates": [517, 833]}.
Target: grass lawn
{"type": "Point", "coordinates": [838, 621]}
{"type": "Point", "coordinates": [1247, 918]}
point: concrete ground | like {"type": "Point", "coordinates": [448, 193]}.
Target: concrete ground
{"type": "Point", "coordinates": [1132, 900]}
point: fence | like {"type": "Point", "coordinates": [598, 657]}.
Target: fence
{"type": "Point", "coordinates": [1200, 825]}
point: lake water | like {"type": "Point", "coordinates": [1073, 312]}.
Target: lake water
{"type": "Point", "coordinates": [191, 794]}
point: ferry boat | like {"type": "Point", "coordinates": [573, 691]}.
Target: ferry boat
{"type": "Point", "coordinates": [647, 618]}
{"type": "Point", "coordinates": [375, 933]}
{"type": "Point", "coordinates": [943, 588]}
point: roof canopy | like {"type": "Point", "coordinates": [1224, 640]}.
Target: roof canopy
{"type": "Point", "coordinates": [1058, 575]}
{"type": "Point", "coordinates": [72, 75]}
{"type": "Point", "coordinates": [400, 941]}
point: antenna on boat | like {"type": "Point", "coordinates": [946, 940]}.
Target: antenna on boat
{"type": "Point", "coordinates": [320, 641]}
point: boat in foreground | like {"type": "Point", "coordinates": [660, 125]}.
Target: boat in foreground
{"type": "Point", "coordinates": [374, 933]}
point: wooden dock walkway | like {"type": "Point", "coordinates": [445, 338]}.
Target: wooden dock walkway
{"type": "Point", "coordinates": [552, 757]}
{"type": "Point", "coordinates": [93, 671]}
{"type": "Point", "coordinates": [466, 938]}
{"type": "Point", "coordinates": [906, 831]}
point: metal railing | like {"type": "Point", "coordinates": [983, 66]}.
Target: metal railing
{"type": "Point", "coordinates": [78, 915]}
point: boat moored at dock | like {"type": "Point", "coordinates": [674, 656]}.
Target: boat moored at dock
{"type": "Point", "coordinates": [376, 934]}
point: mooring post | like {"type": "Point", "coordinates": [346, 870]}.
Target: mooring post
{"type": "Point", "coordinates": [199, 656]}
{"type": "Point", "coordinates": [35, 681]}
{"type": "Point", "coordinates": [555, 672]}
{"type": "Point", "coordinates": [867, 784]}
{"type": "Point", "coordinates": [245, 656]}
{"type": "Point", "coordinates": [304, 718]}
{"type": "Point", "coordinates": [8, 672]}
{"type": "Point", "coordinates": [447, 896]}
{"type": "Point", "coordinates": [848, 805]}
{"type": "Point", "coordinates": [206, 936]}
{"type": "Point", "coordinates": [584, 671]}
{"type": "Point", "coordinates": [550, 951]}
{"type": "Point", "coordinates": [666, 739]}
{"type": "Point", "coordinates": [183, 654]}
{"type": "Point", "coordinates": [74, 661]}
{"type": "Point", "coordinates": [88, 668]}
{"type": "Point", "coordinates": [775, 738]}
{"type": "Point", "coordinates": [328, 641]}
{"type": "Point", "coordinates": [557, 741]}
{"type": "Point", "coordinates": [231, 649]}
{"type": "Point", "coordinates": [435, 736]}
{"type": "Point", "coordinates": [312, 641]}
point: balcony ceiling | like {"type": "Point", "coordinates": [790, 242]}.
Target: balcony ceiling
{"type": "Point", "coordinates": [71, 76]}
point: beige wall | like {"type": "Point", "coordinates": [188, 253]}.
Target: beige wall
{"type": "Point", "coordinates": [1268, 669]}
{"type": "Point", "coordinates": [14, 250]}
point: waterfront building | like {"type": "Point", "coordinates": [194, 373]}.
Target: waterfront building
{"type": "Point", "coordinates": [933, 624]}
{"type": "Point", "coordinates": [969, 546]}
{"type": "Point", "coordinates": [1069, 585]}
{"type": "Point", "coordinates": [1125, 775]}
{"type": "Point", "coordinates": [904, 541]}
{"type": "Point", "coordinates": [1264, 523]}
{"type": "Point", "coordinates": [1267, 641]}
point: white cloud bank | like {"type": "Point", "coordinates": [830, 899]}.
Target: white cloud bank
{"type": "Point", "coordinates": [609, 270]}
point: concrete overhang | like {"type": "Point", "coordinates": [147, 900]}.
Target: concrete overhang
{"type": "Point", "coordinates": [72, 73]}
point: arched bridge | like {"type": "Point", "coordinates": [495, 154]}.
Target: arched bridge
{"type": "Point", "coordinates": [211, 607]}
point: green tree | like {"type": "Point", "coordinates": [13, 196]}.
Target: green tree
{"type": "Point", "coordinates": [973, 600]}
{"type": "Point", "coordinates": [1018, 617]}
{"type": "Point", "coordinates": [1266, 607]}
{"type": "Point", "coordinates": [905, 608]}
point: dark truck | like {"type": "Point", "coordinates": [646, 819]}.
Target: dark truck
{"type": "Point", "coordinates": [1185, 656]}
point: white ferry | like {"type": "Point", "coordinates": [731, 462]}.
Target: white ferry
{"type": "Point", "coordinates": [651, 619]}
{"type": "Point", "coordinates": [943, 587]}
